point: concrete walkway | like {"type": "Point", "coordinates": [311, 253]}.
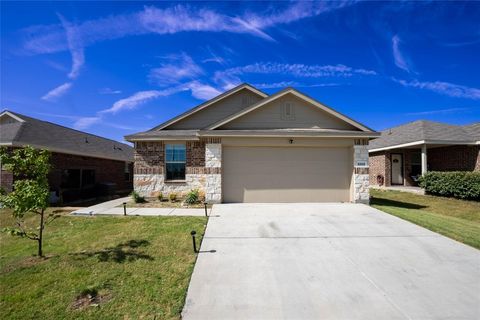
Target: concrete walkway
{"type": "Point", "coordinates": [328, 261]}
{"type": "Point", "coordinates": [111, 208]}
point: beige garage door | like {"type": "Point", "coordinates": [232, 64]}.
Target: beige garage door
{"type": "Point", "coordinates": [279, 174]}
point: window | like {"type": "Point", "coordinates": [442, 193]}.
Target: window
{"type": "Point", "coordinates": [71, 178]}
{"type": "Point", "coordinates": [127, 171]}
{"type": "Point", "coordinates": [416, 163]}
{"type": "Point", "coordinates": [77, 178]}
{"type": "Point", "coordinates": [88, 178]}
{"type": "Point", "coordinates": [288, 111]}
{"type": "Point", "coordinates": [175, 157]}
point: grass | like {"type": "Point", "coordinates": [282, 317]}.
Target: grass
{"type": "Point", "coordinates": [99, 268]}
{"type": "Point", "coordinates": [456, 219]}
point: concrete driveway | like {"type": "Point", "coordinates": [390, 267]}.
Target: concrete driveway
{"type": "Point", "coordinates": [328, 261]}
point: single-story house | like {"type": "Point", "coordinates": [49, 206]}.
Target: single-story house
{"type": "Point", "coordinates": [247, 146]}
{"type": "Point", "coordinates": [402, 154]}
{"type": "Point", "coordinates": [83, 165]}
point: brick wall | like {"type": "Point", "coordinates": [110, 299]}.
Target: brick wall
{"type": "Point", "coordinates": [379, 164]}
{"type": "Point", "coordinates": [461, 158]}
{"type": "Point", "coordinates": [149, 157]}
{"type": "Point", "coordinates": [6, 180]}
{"type": "Point", "coordinates": [106, 170]}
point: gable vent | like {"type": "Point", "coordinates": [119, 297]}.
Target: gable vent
{"type": "Point", "coordinates": [288, 111]}
{"type": "Point", "coordinates": [247, 100]}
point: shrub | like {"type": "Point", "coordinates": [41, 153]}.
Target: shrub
{"type": "Point", "coordinates": [192, 196]}
{"type": "Point", "coordinates": [457, 184]}
{"type": "Point", "coordinates": [160, 197]}
{"type": "Point", "coordinates": [172, 197]}
{"type": "Point", "coordinates": [137, 198]}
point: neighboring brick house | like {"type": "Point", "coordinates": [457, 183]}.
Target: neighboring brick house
{"type": "Point", "coordinates": [403, 153]}
{"type": "Point", "coordinates": [83, 165]}
{"type": "Point", "coordinates": [247, 146]}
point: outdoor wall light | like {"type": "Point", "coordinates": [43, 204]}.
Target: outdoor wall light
{"type": "Point", "coordinates": [291, 141]}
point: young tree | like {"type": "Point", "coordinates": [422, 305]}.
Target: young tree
{"type": "Point", "coordinates": [30, 168]}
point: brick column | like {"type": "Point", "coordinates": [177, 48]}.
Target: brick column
{"type": "Point", "coordinates": [213, 169]}
{"type": "Point", "coordinates": [361, 173]}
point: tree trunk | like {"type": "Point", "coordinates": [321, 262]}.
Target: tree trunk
{"type": "Point", "coordinates": [40, 234]}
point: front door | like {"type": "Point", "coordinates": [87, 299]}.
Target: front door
{"type": "Point", "coordinates": [397, 168]}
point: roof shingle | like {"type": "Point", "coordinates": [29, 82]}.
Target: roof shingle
{"type": "Point", "coordinates": [57, 138]}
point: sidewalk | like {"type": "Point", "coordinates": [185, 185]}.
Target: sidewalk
{"type": "Point", "coordinates": [111, 208]}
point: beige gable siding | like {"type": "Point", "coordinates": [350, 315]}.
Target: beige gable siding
{"type": "Point", "coordinates": [271, 116]}
{"type": "Point", "coordinates": [217, 111]}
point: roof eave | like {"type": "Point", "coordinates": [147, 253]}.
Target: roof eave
{"type": "Point", "coordinates": [421, 142]}
{"type": "Point", "coordinates": [161, 138]}
{"type": "Point", "coordinates": [65, 151]}
{"type": "Point", "coordinates": [267, 134]}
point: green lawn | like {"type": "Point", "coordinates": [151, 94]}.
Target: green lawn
{"type": "Point", "coordinates": [99, 268]}
{"type": "Point", "coordinates": [457, 219]}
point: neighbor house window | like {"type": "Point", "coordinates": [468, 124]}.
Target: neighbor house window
{"type": "Point", "coordinates": [127, 171]}
{"type": "Point", "coordinates": [88, 178]}
{"type": "Point", "coordinates": [175, 157]}
{"type": "Point", "coordinates": [71, 178]}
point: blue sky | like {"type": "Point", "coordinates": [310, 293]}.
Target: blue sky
{"type": "Point", "coordinates": [114, 69]}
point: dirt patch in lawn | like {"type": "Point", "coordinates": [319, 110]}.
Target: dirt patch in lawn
{"type": "Point", "coordinates": [90, 298]}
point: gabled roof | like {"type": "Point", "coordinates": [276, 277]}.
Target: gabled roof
{"type": "Point", "coordinates": [423, 131]}
{"type": "Point", "coordinates": [297, 94]}
{"type": "Point", "coordinates": [56, 138]}
{"type": "Point", "coordinates": [210, 102]}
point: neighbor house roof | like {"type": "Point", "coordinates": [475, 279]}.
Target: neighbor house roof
{"type": "Point", "coordinates": [425, 132]}
{"type": "Point", "coordinates": [163, 132]}
{"type": "Point", "coordinates": [23, 130]}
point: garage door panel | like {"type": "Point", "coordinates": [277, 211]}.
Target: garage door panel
{"type": "Point", "coordinates": [270, 174]}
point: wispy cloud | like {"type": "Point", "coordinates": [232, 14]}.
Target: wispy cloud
{"type": "Point", "coordinates": [78, 59]}
{"type": "Point", "coordinates": [135, 100]}
{"type": "Point", "coordinates": [109, 91]}
{"type": "Point", "coordinates": [297, 70]}
{"type": "Point", "coordinates": [214, 58]}
{"type": "Point", "coordinates": [199, 90]}
{"type": "Point", "coordinates": [231, 76]}
{"type": "Point", "coordinates": [81, 123]}
{"type": "Point", "coordinates": [437, 111]}
{"type": "Point", "coordinates": [179, 67]}
{"type": "Point", "coordinates": [460, 44]}
{"type": "Point", "coordinates": [202, 91]}
{"type": "Point", "coordinates": [284, 84]}
{"type": "Point", "coordinates": [178, 18]}
{"type": "Point", "coordinates": [84, 123]}
{"type": "Point", "coordinates": [399, 58]}
{"type": "Point", "coordinates": [294, 12]}
{"type": "Point", "coordinates": [75, 46]}
{"type": "Point", "coordinates": [57, 92]}
{"type": "Point", "coordinates": [445, 88]}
